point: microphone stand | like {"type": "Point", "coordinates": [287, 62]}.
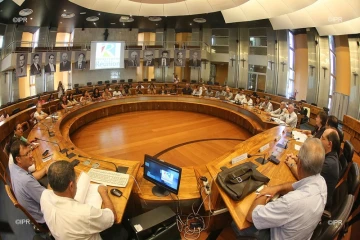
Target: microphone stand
{"type": "Point", "coordinates": [116, 167]}
{"type": "Point", "coordinates": [262, 161]}
{"type": "Point", "coordinates": [51, 134]}
{"type": "Point", "coordinates": [65, 150]}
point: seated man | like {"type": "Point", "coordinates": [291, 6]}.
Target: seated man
{"type": "Point", "coordinates": [296, 214]}
{"type": "Point", "coordinates": [279, 112]}
{"type": "Point", "coordinates": [197, 91]}
{"type": "Point", "coordinates": [220, 92]}
{"type": "Point", "coordinates": [209, 92]}
{"type": "Point", "coordinates": [266, 105]}
{"type": "Point", "coordinates": [333, 122]}
{"type": "Point", "coordinates": [39, 114]}
{"type": "Point", "coordinates": [69, 219]}
{"type": "Point", "coordinates": [290, 118]}
{"type": "Point", "coordinates": [303, 111]}
{"type": "Point", "coordinates": [228, 94]}
{"type": "Point", "coordinates": [240, 97]}
{"type": "Point", "coordinates": [26, 188]}
{"type": "Point", "coordinates": [187, 90]}
{"type": "Point", "coordinates": [248, 100]}
{"type": "Point", "coordinates": [330, 170]}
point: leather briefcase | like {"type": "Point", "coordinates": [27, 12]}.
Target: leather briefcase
{"type": "Point", "coordinates": [241, 180]}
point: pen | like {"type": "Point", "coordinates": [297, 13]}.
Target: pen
{"type": "Point", "coordinates": [266, 195]}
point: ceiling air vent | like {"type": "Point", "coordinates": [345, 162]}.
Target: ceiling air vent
{"type": "Point", "coordinates": [92, 19]}
{"type": "Point", "coordinates": [155, 19]}
{"type": "Point", "coordinates": [25, 12]}
{"type": "Point", "coordinates": [68, 15]}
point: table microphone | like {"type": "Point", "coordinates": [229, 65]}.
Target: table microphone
{"type": "Point", "coordinates": [262, 161]}
{"type": "Point", "coordinates": [116, 167]}
{"type": "Point", "coordinates": [289, 141]}
{"type": "Point", "coordinates": [61, 150]}
{"type": "Point", "coordinates": [51, 134]}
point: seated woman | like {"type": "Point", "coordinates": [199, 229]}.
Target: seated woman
{"type": "Point", "coordinates": [126, 91]}
{"type": "Point", "coordinates": [197, 91]}
{"type": "Point", "coordinates": [41, 101]}
{"type": "Point", "coordinates": [163, 91]}
{"type": "Point", "coordinates": [257, 101]}
{"type": "Point", "coordinates": [96, 95]}
{"type": "Point", "coordinates": [173, 90]}
{"type": "Point", "coordinates": [106, 94]}
{"type": "Point", "coordinates": [248, 100]}
{"type": "Point", "coordinates": [85, 97]}
{"type": "Point", "coordinates": [108, 86]}
{"type": "Point", "coordinates": [139, 88]}
{"type": "Point", "coordinates": [151, 89]}
{"type": "Point", "coordinates": [39, 114]}
{"type": "Point", "coordinates": [117, 92]}
{"type": "Point", "coordinates": [320, 122]}
{"type": "Point", "coordinates": [71, 100]}
{"type": "Point", "coordinates": [209, 92]}
{"type": "Point", "coordinates": [4, 116]}
{"type": "Point", "coordinates": [51, 98]}
{"type": "Point", "coordinates": [64, 102]}
{"type": "Point", "coordinates": [151, 85]}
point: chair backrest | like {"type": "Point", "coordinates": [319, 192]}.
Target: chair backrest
{"type": "Point", "coordinates": [30, 105]}
{"type": "Point", "coordinates": [342, 166]}
{"type": "Point", "coordinates": [15, 111]}
{"type": "Point", "coordinates": [193, 81]}
{"type": "Point", "coordinates": [4, 173]}
{"type": "Point", "coordinates": [130, 80]}
{"type": "Point", "coordinates": [17, 205]}
{"type": "Point", "coordinates": [353, 178]}
{"type": "Point", "coordinates": [341, 135]}
{"type": "Point", "coordinates": [314, 104]}
{"type": "Point", "coordinates": [76, 85]}
{"type": "Point", "coordinates": [122, 80]}
{"type": "Point", "coordinates": [113, 81]}
{"type": "Point", "coordinates": [348, 151]}
{"type": "Point", "coordinates": [89, 83]}
{"type": "Point", "coordinates": [100, 82]}
{"type": "Point", "coordinates": [26, 128]}
{"type": "Point", "coordinates": [107, 81]}
{"type": "Point", "coordinates": [184, 80]}
{"type": "Point", "coordinates": [153, 79]}
{"type": "Point", "coordinates": [145, 80]}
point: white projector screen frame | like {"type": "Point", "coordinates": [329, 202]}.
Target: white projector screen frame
{"type": "Point", "coordinates": [107, 55]}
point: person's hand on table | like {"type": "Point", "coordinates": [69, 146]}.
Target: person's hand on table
{"type": "Point", "coordinates": [269, 192]}
{"type": "Point", "coordinates": [102, 189]}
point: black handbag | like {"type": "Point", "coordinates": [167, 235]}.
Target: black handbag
{"type": "Point", "coordinates": [241, 180]}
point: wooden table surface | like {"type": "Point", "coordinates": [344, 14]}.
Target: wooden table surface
{"type": "Point", "coordinates": [72, 119]}
{"type": "Point", "coordinates": [278, 174]}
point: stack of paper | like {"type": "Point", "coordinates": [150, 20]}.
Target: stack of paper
{"type": "Point", "coordinates": [300, 137]}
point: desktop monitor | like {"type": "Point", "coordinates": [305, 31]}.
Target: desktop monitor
{"type": "Point", "coordinates": [165, 176]}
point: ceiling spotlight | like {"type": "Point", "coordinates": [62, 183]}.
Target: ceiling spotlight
{"type": "Point", "coordinates": [64, 10]}
{"type": "Point", "coordinates": [92, 19]}
{"type": "Point", "coordinates": [25, 12]}
{"type": "Point", "coordinates": [123, 24]}
{"type": "Point", "coordinates": [99, 14]}
{"type": "Point", "coordinates": [112, 23]}
{"type": "Point", "coordinates": [156, 24]}
{"type": "Point", "coordinates": [82, 13]}
{"type": "Point", "coordinates": [60, 22]}
{"type": "Point", "coordinates": [30, 18]}
{"type": "Point", "coordinates": [190, 24]}
{"type": "Point", "coordinates": [199, 20]}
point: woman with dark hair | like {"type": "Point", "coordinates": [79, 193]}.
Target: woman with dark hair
{"type": "Point", "coordinates": [257, 101]}
{"type": "Point", "coordinates": [96, 95]}
{"type": "Point", "coordinates": [126, 91]}
{"type": "Point", "coordinates": [106, 94]}
{"type": "Point", "coordinates": [51, 97]}
{"type": "Point", "coordinates": [320, 122]}
{"type": "Point", "coordinates": [40, 101]}
{"type": "Point", "coordinates": [151, 89]}
{"type": "Point", "coordinates": [173, 90]}
{"type": "Point", "coordinates": [63, 101]}
{"type": "Point", "coordinates": [71, 100]}
{"type": "Point", "coordinates": [138, 88]}
{"type": "Point", "coordinates": [117, 92]}
{"type": "Point", "coordinates": [4, 116]}
{"type": "Point", "coordinates": [85, 97]}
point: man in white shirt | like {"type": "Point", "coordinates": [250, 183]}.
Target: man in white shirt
{"type": "Point", "coordinates": [296, 214]}
{"type": "Point", "coordinates": [69, 219]}
{"type": "Point", "coordinates": [220, 92]}
{"type": "Point", "coordinates": [290, 118]}
{"type": "Point", "coordinates": [228, 94]}
{"type": "Point", "coordinates": [240, 97]}
{"type": "Point", "coordinates": [197, 91]}
{"type": "Point", "coordinates": [248, 100]}
{"type": "Point", "coordinates": [278, 112]}
{"type": "Point", "coordinates": [266, 105]}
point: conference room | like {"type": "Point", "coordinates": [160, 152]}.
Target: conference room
{"type": "Point", "coordinates": [186, 119]}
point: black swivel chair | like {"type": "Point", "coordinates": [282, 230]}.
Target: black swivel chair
{"type": "Point", "coordinates": [100, 82]}
{"type": "Point", "coordinates": [145, 80]}
{"type": "Point", "coordinates": [153, 80]}
{"type": "Point", "coordinates": [107, 82]}
{"type": "Point", "coordinates": [15, 111]}
{"type": "Point", "coordinates": [343, 200]}
{"type": "Point", "coordinates": [343, 165]}
{"type": "Point", "coordinates": [89, 83]}
{"type": "Point", "coordinates": [314, 104]}
{"type": "Point", "coordinates": [130, 80]}
{"type": "Point", "coordinates": [122, 80]}
{"type": "Point", "coordinates": [341, 135]}
{"type": "Point", "coordinates": [30, 105]}
{"type": "Point", "coordinates": [348, 151]}
{"type": "Point", "coordinates": [76, 85]}
{"type": "Point", "coordinates": [217, 83]}
{"type": "Point", "coordinates": [193, 81]}
{"type": "Point", "coordinates": [114, 81]}
{"type": "Point", "coordinates": [184, 80]}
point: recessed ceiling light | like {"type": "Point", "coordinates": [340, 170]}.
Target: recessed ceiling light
{"type": "Point", "coordinates": [25, 12]}
{"type": "Point", "coordinates": [82, 13]}
{"type": "Point", "coordinates": [200, 20]}
{"type": "Point", "coordinates": [94, 23]}
{"type": "Point", "coordinates": [30, 18]}
{"type": "Point", "coordinates": [64, 10]}
{"type": "Point", "coordinates": [60, 22]}
{"type": "Point", "coordinates": [190, 24]}
{"type": "Point", "coordinates": [156, 24]}
{"type": "Point", "coordinates": [99, 14]}
{"type": "Point", "coordinates": [68, 15]}
{"type": "Point", "coordinates": [126, 19]}
{"type": "Point", "coordinates": [112, 23]}
{"type": "Point", "coordinates": [92, 19]}
{"type": "Point", "coordinates": [123, 24]}
{"type": "Point", "coordinates": [155, 19]}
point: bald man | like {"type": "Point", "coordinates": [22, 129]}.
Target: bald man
{"type": "Point", "coordinates": [296, 214]}
{"type": "Point", "coordinates": [290, 118]}
{"type": "Point", "coordinates": [330, 170]}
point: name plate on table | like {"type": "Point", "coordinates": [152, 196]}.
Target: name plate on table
{"type": "Point", "coordinates": [239, 158]}
{"type": "Point", "coordinates": [265, 147]}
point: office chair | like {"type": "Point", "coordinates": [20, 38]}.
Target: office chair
{"type": "Point", "coordinates": [100, 82]}
{"type": "Point", "coordinates": [15, 111]}
{"type": "Point", "coordinates": [341, 135]}
{"type": "Point", "coordinates": [193, 81]}
{"type": "Point", "coordinates": [184, 80]}
{"type": "Point", "coordinates": [343, 164]}
{"type": "Point", "coordinates": [26, 128]}
{"type": "Point", "coordinates": [130, 80]}
{"type": "Point", "coordinates": [37, 226]}
{"type": "Point", "coordinates": [4, 173]}
{"type": "Point", "coordinates": [122, 80]}
{"type": "Point", "coordinates": [107, 82]}
{"type": "Point", "coordinates": [153, 80]}
{"type": "Point", "coordinates": [30, 105]}
{"type": "Point", "coordinates": [145, 80]}
{"type": "Point", "coordinates": [348, 151]}
{"type": "Point", "coordinates": [89, 83]}
{"type": "Point", "coordinates": [76, 85]}
{"type": "Point", "coordinates": [216, 83]}
{"type": "Point", "coordinates": [114, 81]}
{"type": "Point", "coordinates": [314, 104]}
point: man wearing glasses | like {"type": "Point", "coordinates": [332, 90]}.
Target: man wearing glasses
{"type": "Point", "coordinates": [148, 58]}
{"type": "Point", "coordinates": [26, 188]}
{"type": "Point", "coordinates": [51, 67]}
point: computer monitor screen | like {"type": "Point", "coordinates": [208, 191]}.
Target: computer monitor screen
{"type": "Point", "coordinates": [164, 175]}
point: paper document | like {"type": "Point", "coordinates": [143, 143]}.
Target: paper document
{"type": "Point", "coordinates": [297, 147]}
{"type": "Point", "coordinates": [88, 192]}
{"type": "Point", "coordinates": [300, 137]}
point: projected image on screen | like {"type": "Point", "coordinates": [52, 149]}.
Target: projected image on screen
{"type": "Point", "coordinates": [162, 174]}
{"type": "Point", "coordinates": [107, 55]}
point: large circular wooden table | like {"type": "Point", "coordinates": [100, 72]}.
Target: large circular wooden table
{"type": "Point", "coordinates": [252, 120]}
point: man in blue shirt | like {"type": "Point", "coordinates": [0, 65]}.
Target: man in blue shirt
{"type": "Point", "coordinates": [26, 188]}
